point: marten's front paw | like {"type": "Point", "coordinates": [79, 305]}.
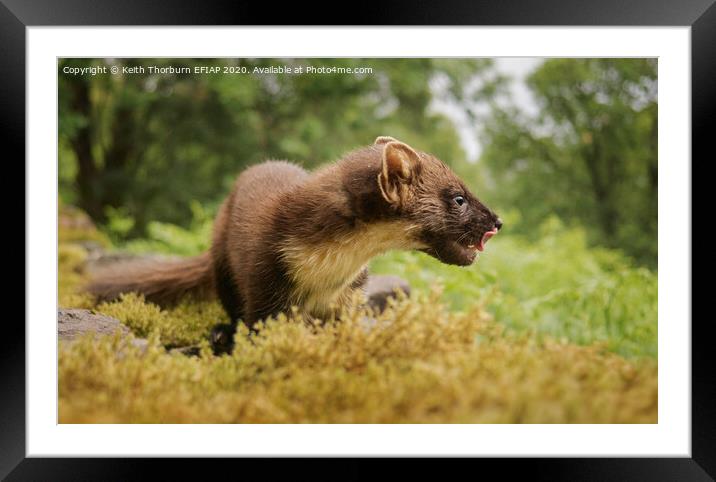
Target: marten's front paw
{"type": "Point", "coordinates": [222, 338]}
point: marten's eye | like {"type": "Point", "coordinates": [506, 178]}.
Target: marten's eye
{"type": "Point", "coordinates": [459, 200]}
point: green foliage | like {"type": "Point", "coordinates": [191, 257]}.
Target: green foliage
{"type": "Point", "coordinates": [172, 239]}
{"type": "Point", "coordinates": [554, 285]}
{"type": "Point", "coordinates": [589, 155]}
{"type": "Point", "coordinates": [418, 364]}
{"type": "Point", "coordinates": [119, 223]}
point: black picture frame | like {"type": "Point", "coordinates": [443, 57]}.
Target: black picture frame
{"type": "Point", "coordinates": [700, 15]}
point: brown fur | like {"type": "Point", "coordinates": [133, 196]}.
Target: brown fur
{"type": "Point", "coordinates": [285, 237]}
{"type": "Point", "coordinates": [162, 283]}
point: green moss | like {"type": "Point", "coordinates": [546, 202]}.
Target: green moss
{"type": "Point", "coordinates": [186, 324]}
{"type": "Point", "coordinates": [71, 276]}
{"type": "Point", "coordinates": [419, 364]}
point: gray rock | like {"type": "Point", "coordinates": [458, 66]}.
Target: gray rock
{"type": "Point", "coordinates": [140, 343]}
{"type": "Point", "coordinates": [74, 323]}
{"type": "Point", "coordinates": [379, 288]}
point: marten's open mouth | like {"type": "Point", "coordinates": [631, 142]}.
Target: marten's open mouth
{"type": "Point", "coordinates": [461, 252]}
{"type": "Point", "coordinates": [468, 248]}
{"type": "Point", "coordinates": [480, 246]}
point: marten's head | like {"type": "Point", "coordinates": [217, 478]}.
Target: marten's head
{"type": "Point", "coordinates": [452, 223]}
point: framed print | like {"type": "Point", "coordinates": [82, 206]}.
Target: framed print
{"type": "Point", "coordinates": [275, 240]}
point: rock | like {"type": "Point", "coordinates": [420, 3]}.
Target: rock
{"type": "Point", "coordinates": [141, 343]}
{"type": "Point", "coordinates": [381, 287]}
{"type": "Point", "coordinates": [74, 323]}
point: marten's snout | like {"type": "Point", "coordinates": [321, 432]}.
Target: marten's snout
{"type": "Point", "coordinates": [498, 224]}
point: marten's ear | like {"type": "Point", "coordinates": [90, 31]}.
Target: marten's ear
{"type": "Point", "coordinates": [384, 140]}
{"type": "Point", "coordinates": [400, 164]}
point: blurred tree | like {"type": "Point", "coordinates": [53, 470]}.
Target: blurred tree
{"type": "Point", "coordinates": [590, 155]}
{"type": "Point", "coordinates": [143, 147]}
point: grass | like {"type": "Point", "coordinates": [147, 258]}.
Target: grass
{"type": "Point", "coordinates": [545, 332]}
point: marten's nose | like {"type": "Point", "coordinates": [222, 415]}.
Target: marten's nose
{"type": "Point", "coordinates": [498, 224]}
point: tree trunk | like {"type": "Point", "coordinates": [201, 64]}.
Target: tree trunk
{"type": "Point", "coordinates": [602, 189]}
{"type": "Point", "coordinates": [116, 156]}
{"type": "Point", "coordinates": [81, 144]}
{"type": "Point", "coordinates": [653, 165]}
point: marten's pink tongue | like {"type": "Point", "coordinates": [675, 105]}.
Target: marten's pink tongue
{"type": "Point", "coordinates": [485, 238]}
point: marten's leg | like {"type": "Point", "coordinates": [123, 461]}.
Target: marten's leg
{"type": "Point", "coordinates": [268, 293]}
{"type": "Point", "coordinates": [222, 335]}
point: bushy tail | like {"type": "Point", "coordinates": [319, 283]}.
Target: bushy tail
{"type": "Point", "coordinates": [161, 282]}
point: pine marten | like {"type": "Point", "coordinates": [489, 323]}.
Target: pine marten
{"type": "Point", "coordinates": [285, 237]}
